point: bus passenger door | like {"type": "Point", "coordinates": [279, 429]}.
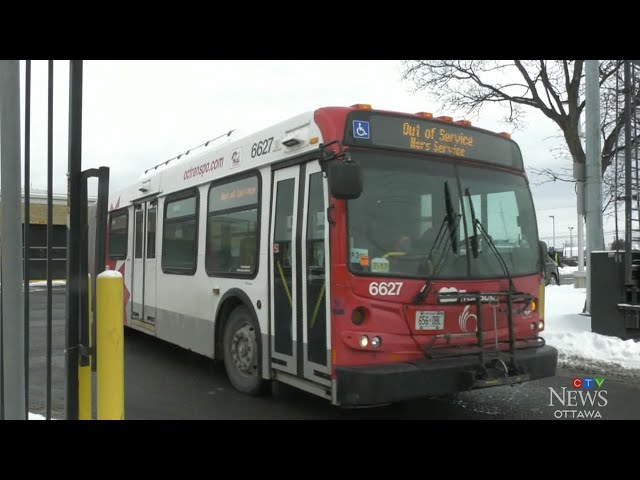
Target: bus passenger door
{"type": "Point", "coordinates": [149, 293]}
{"type": "Point", "coordinates": [283, 284]}
{"type": "Point", "coordinates": [137, 271]}
{"type": "Point", "coordinates": [299, 243]}
{"type": "Point", "coordinates": [315, 279]}
{"type": "Point", "coordinates": [143, 274]}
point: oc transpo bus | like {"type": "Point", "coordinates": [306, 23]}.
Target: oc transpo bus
{"type": "Point", "coordinates": [364, 256]}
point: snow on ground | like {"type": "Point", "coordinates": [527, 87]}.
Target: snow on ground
{"type": "Point", "coordinates": [566, 270]}
{"type": "Point", "coordinates": [571, 333]}
{"type": "Point", "coordinates": [43, 283]}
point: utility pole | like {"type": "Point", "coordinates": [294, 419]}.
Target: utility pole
{"type": "Point", "coordinates": [580, 277]}
{"type": "Point", "coordinates": [571, 241]}
{"type": "Point", "coordinates": [553, 218]}
{"type": "Point", "coordinates": [593, 193]}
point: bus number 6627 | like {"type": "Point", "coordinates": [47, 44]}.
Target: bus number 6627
{"type": "Point", "coordinates": [385, 288]}
{"type": "Point", "coordinates": [261, 148]}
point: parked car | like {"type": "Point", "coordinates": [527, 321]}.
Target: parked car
{"type": "Point", "coordinates": [551, 272]}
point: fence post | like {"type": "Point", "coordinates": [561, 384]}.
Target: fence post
{"type": "Point", "coordinates": [74, 223]}
{"type": "Point", "coordinates": [110, 340]}
{"type": "Point", "coordinates": [12, 349]}
{"type": "Point", "coordinates": [85, 404]}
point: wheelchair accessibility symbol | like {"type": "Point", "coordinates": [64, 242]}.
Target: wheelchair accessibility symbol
{"type": "Point", "coordinates": [360, 129]}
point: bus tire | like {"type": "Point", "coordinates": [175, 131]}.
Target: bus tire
{"type": "Point", "coordinates": [242, 352]}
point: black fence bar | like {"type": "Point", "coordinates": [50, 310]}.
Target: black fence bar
{"type": "Point", "coordinates": [83, 274]}
{"type": "Point", "coordinates": [99, 252]}
{"type": "Point", "coordinates": [26, 223]}
{"type": "Point", "coordinates": [101, 221]}
{"type": "Point", "coordinates": [100, 246]}
{"type": "Point", "coordinates": [49, 236]}
{"type": "Point", "coordinates": [73, 238]}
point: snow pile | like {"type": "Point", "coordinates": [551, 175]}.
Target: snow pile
{"type": "Point", "coordinates": [567, 270]}
{"type": "Point", "coordinates": [571, 334]}
{"type": "Point", "coordinates": [43, 283]}
{"type": "Point", "coordinates": [35, 416]}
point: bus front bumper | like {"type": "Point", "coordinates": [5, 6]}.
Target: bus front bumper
{"type": "Point", "coordinates": [395, 382]}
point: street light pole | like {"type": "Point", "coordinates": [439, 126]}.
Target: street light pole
{"type": "Point", "coordinates": [571, 241]}
{"type": "Point", "coordinates": [553, 217]}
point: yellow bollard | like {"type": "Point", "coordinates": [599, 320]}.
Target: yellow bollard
{"type": "Point", "coordinates": [84, 376]}
{"type": "Point", "coordinates": [110, 339]}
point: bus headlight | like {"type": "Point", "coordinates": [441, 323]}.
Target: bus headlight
{"type": "Point", "coordinates": [364, 341]}
{"type": "Point", "coordinates": [376, 342]}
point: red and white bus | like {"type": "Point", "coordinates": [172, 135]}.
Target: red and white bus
{"type": "Point", "coordinates": [365, 256]}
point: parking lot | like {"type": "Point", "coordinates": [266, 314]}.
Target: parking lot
{"type": "Point", "coordinates": [163, 381]}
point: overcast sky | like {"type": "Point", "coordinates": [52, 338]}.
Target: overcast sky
{"type": "Point", "coordinates": [137, 114]}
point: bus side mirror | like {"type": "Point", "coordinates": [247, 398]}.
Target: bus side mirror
{"type": "Point", "coordinates": [345, 179]}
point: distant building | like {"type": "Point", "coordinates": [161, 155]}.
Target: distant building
{"type": "Point", "coordinates": [38, 234]}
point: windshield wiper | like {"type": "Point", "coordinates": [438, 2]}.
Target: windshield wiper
{"type": "Point", "coordinates": [474, 238]}
{"type": "Point", "coordinates": [451, 221]}
{"type": "Point", "coordinates": [477, 225]}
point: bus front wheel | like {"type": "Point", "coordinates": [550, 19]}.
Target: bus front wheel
{"type": "Point", "coordinates": [242, 352]}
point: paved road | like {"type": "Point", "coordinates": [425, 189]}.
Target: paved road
{"type": "Point", "coordinates": [38, 351]}
{"type": "Point", "coordinates": [166, 382]}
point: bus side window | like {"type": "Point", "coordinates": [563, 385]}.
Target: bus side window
{"type": "Point", "coordinates": [232, 227]}
{"type": "Point", "coordinates": [179, 234]}
{"type": "Point", "coordinates": [118, 231]}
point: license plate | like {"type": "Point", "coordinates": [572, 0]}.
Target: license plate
{"type": "Point", "coordinates": [429, 320]}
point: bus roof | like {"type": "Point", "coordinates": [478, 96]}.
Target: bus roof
{"type": "Point", "coordinates": [231, 153]}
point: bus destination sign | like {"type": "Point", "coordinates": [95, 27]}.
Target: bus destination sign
{"type": "Point", "coordinates": [433, 137]}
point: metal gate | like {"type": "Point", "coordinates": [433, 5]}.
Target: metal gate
{"type": "Point", "coordinates": [39, 373]}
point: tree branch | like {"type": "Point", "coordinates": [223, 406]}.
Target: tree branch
{"type": "Point", "coordinates": [549, 88]}
{"type": "Point", "coordinates": [548, 175]}
{"type": "Point", "coordinates": [537, 101]}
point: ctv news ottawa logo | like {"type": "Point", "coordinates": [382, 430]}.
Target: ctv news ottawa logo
{"type": "Point", "coordinates": [582, 400]}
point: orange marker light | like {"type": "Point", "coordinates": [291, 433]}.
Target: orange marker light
{"type": "Point", "coordinates": [425, 114]}
{"type": "Point", "coordinates": [361, 106]}
{"type": "Point", "coordinates": [464, 123]}
{"type": "Point", "coordinates": [505, 134]}
{"type": "Point", "coordinates": [314, 140]}
{"type": "Point", "coordinates": [444, 118]}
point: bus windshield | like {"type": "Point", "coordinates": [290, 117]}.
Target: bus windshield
{"type": "Point", "coordinates": [392, 226]}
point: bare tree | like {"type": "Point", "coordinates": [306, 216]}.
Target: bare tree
{"type": "Point", "coordinates": [554, 87]}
